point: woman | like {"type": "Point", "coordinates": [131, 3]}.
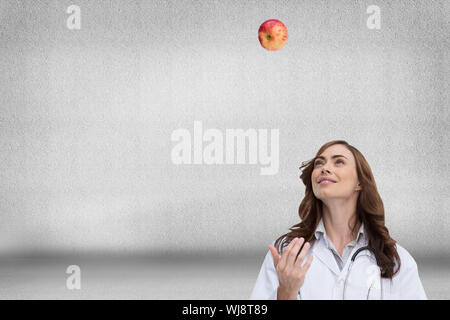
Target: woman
{"type": "Point", "coordinates": [340, 213]}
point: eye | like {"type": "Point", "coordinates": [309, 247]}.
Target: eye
{"type": "Point", "coordinates": [319, 162]}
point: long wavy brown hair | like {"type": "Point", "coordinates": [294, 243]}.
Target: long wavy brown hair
{"type": "Point", "coordinates": [369, 210]}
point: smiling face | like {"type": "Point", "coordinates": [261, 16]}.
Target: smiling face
{"type": "Point", "coordinates": [336, 163]}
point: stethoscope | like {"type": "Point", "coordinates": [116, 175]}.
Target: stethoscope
{"type": "Point", "coordinates": [350, 268]}
{"type": "Point", "coordinates": [352, 260]}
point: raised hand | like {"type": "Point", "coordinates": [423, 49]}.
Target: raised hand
{"type": "Point", "coordinates": [290, 272]}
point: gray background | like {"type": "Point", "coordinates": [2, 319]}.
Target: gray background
{"type": "Point", "coordinates": [87, 115]}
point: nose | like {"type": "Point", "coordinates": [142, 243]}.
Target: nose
{"type": "Point", "coordinates": [324, 169]}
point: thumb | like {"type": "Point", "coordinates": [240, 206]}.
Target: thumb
{"type": "Point", "coordinates": [274, 252]}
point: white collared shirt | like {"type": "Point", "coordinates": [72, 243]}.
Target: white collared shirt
{"type": "Point", "coordinates": [340, 260]}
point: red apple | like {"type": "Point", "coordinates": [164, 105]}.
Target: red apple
{"type": "Point", "coordinates": [272, 34]}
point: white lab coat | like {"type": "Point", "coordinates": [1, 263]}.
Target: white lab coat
{"type": "Point", "coordinates": [324, 280]}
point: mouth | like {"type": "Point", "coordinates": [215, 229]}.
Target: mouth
{"type": "Point", "coordinates": [325, 181]}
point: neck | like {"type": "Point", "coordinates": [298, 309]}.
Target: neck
{"type": "Point", "coordinates": [339, 218]}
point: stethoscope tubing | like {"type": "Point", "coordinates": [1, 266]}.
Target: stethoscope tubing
{"type": "Point", "coordinates": [352, 260]}
{"type": "Point", "coordinates": [350, 268]}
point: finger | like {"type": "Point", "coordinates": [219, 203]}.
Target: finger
{"type": "Point", "coordinates": [302, 254]}
{"type": "Point", "coordinates": [274, 252]}
{"type": "Point", "coordinates": [293, 253]}
{"type": "Point", "coordinates": [308, 263]}
{"type": "Point", "coordinates": [285, 253]}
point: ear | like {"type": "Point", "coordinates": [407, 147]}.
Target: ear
{"type": "Point", "coordinates": [358, 187]}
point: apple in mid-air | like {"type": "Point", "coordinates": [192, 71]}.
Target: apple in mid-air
{"type": "Point", "coordinates": [272, 34]}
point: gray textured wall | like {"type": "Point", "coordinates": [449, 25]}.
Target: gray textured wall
{"type": "Point", "coordinates": [87, 117]}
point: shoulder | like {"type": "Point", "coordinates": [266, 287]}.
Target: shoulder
{"type": "Point", "coordinates": [406, 259]}
{"type": "Point", "coordinates": [406, 284]}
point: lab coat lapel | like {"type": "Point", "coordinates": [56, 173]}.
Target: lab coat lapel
{"type": "Point", "coordinates": [325, 255]}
